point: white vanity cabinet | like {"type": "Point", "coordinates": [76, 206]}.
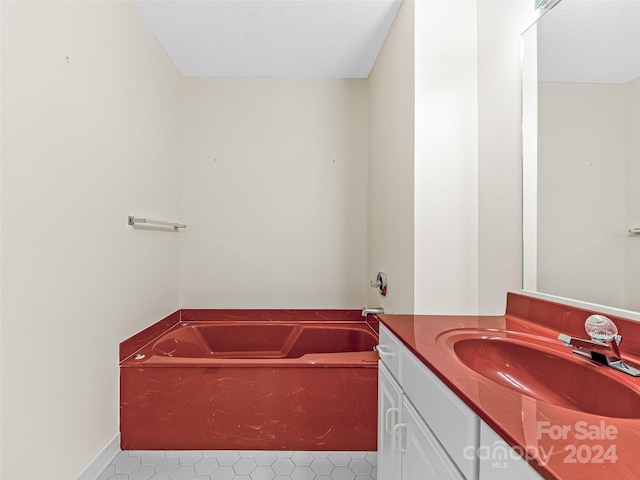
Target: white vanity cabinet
{"type": "Point", "coordinates": [408, 449]}
{"type": "Point", "coordinates": [425, 432]}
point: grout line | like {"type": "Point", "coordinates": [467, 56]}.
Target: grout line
{"type": "Point", "coordinates": [240, 465]}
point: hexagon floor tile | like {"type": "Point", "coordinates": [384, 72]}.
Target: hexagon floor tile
{"type": "Point", "coordinates": [241, 465]}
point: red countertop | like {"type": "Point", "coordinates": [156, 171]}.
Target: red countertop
{"type": "Point", "coordinates": [560, 443]}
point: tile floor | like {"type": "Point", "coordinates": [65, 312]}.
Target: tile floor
{"type": "Point", "coordinates": [241, 465]}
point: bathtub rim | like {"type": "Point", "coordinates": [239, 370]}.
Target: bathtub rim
{"type": "Point", "coordinates": [146, 337]}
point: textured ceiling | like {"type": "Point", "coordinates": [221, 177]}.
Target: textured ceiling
{"type": "Point", "coordinates": [590, 41]}
{"type": "Point", "coordinates": [270, 38]}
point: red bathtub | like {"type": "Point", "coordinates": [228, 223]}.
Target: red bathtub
{"type": "Point", "coordinates": [256, 380]}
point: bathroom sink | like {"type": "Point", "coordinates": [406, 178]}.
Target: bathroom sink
{"type": "Point", "coordinates": [553, 377]}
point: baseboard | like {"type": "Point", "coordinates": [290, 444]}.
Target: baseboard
{"type": "Point", "coordinates": [102, 460]}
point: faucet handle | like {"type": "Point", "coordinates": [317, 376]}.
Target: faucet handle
{"type": "Point", "coordinates": [566, 339]}
{"type": "Point", "coordinates": [601, 328]}
{"type": "Point", "coordinates": [380, 283]}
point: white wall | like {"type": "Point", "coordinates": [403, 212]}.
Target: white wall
{"type": "Point", "coordinates": [632, 122]}
{"type": "Point", "coordinates": [446, 158]}
{"type": "Point", "coordinates": [391, 166]}
{"type": "Point", "coordinates": [581, 178]}
{"type": "Point", "coordinates": [462, 181]}
{"type": "Point", "coordinates": [90, 112]}
{"type": "Point", "coordinates": [500, 26]}
{"type": "Point", "coordinates": [274, 182]}
{"type": "Point", "coordinates": [468, 156]}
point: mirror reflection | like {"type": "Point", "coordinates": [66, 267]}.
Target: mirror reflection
{"type": "Point", "coordinates": [582, 145]}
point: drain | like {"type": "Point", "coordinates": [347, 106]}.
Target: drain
{"type": "Point", "coordinates": [138, 356]}
{"type": "Point", "coordinates": [184, 324]}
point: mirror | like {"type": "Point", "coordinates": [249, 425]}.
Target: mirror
{"type": "Point", "coordinates": [581, 153]}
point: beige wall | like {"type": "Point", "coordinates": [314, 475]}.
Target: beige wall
{"type": "Point", "coordinates": [581, 194]}
{"type": "Point", "coordinates": [391, 166]}
{"type": "Point", "coordinates": [90, 111]}
{"type": "Point", "coordinates": [274, 182]}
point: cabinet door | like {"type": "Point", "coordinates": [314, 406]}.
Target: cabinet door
{"type": "Point", "coordinates": [389, 406]}
{"type": "Point", "coordinates": [498, 461]}
{"type": "Point", "coordinates": [423, 456]}
{"type": "Point", "coordinates": [455, 425]}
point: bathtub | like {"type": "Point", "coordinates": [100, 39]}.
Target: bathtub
{"type": "Point", "coordinates": [255, 380]}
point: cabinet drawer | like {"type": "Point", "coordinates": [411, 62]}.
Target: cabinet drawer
{"type": "Point", "coordinates": [390, 351]}
{"type": "Point", "coordinates": [450, 419]}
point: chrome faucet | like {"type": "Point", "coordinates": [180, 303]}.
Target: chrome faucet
{"type": "Point", "coordinates": [372, 311]}
{"type": "Point", "coordinates": [603, 347]}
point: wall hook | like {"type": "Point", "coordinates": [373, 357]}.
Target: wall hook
{"type": "Point", "coordinates": [380, 283]}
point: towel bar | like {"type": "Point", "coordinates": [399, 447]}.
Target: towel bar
{"type": "Point", "coordinates": [147, 221]}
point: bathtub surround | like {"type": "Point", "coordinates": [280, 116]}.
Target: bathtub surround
{"type": "Point", "coordinates": [251, 379]}
{"type": "Point", "coordinates": [140, 339]}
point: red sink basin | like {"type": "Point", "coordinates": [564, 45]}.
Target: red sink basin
{"type": "Point", "coordinates": [563, 380]}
